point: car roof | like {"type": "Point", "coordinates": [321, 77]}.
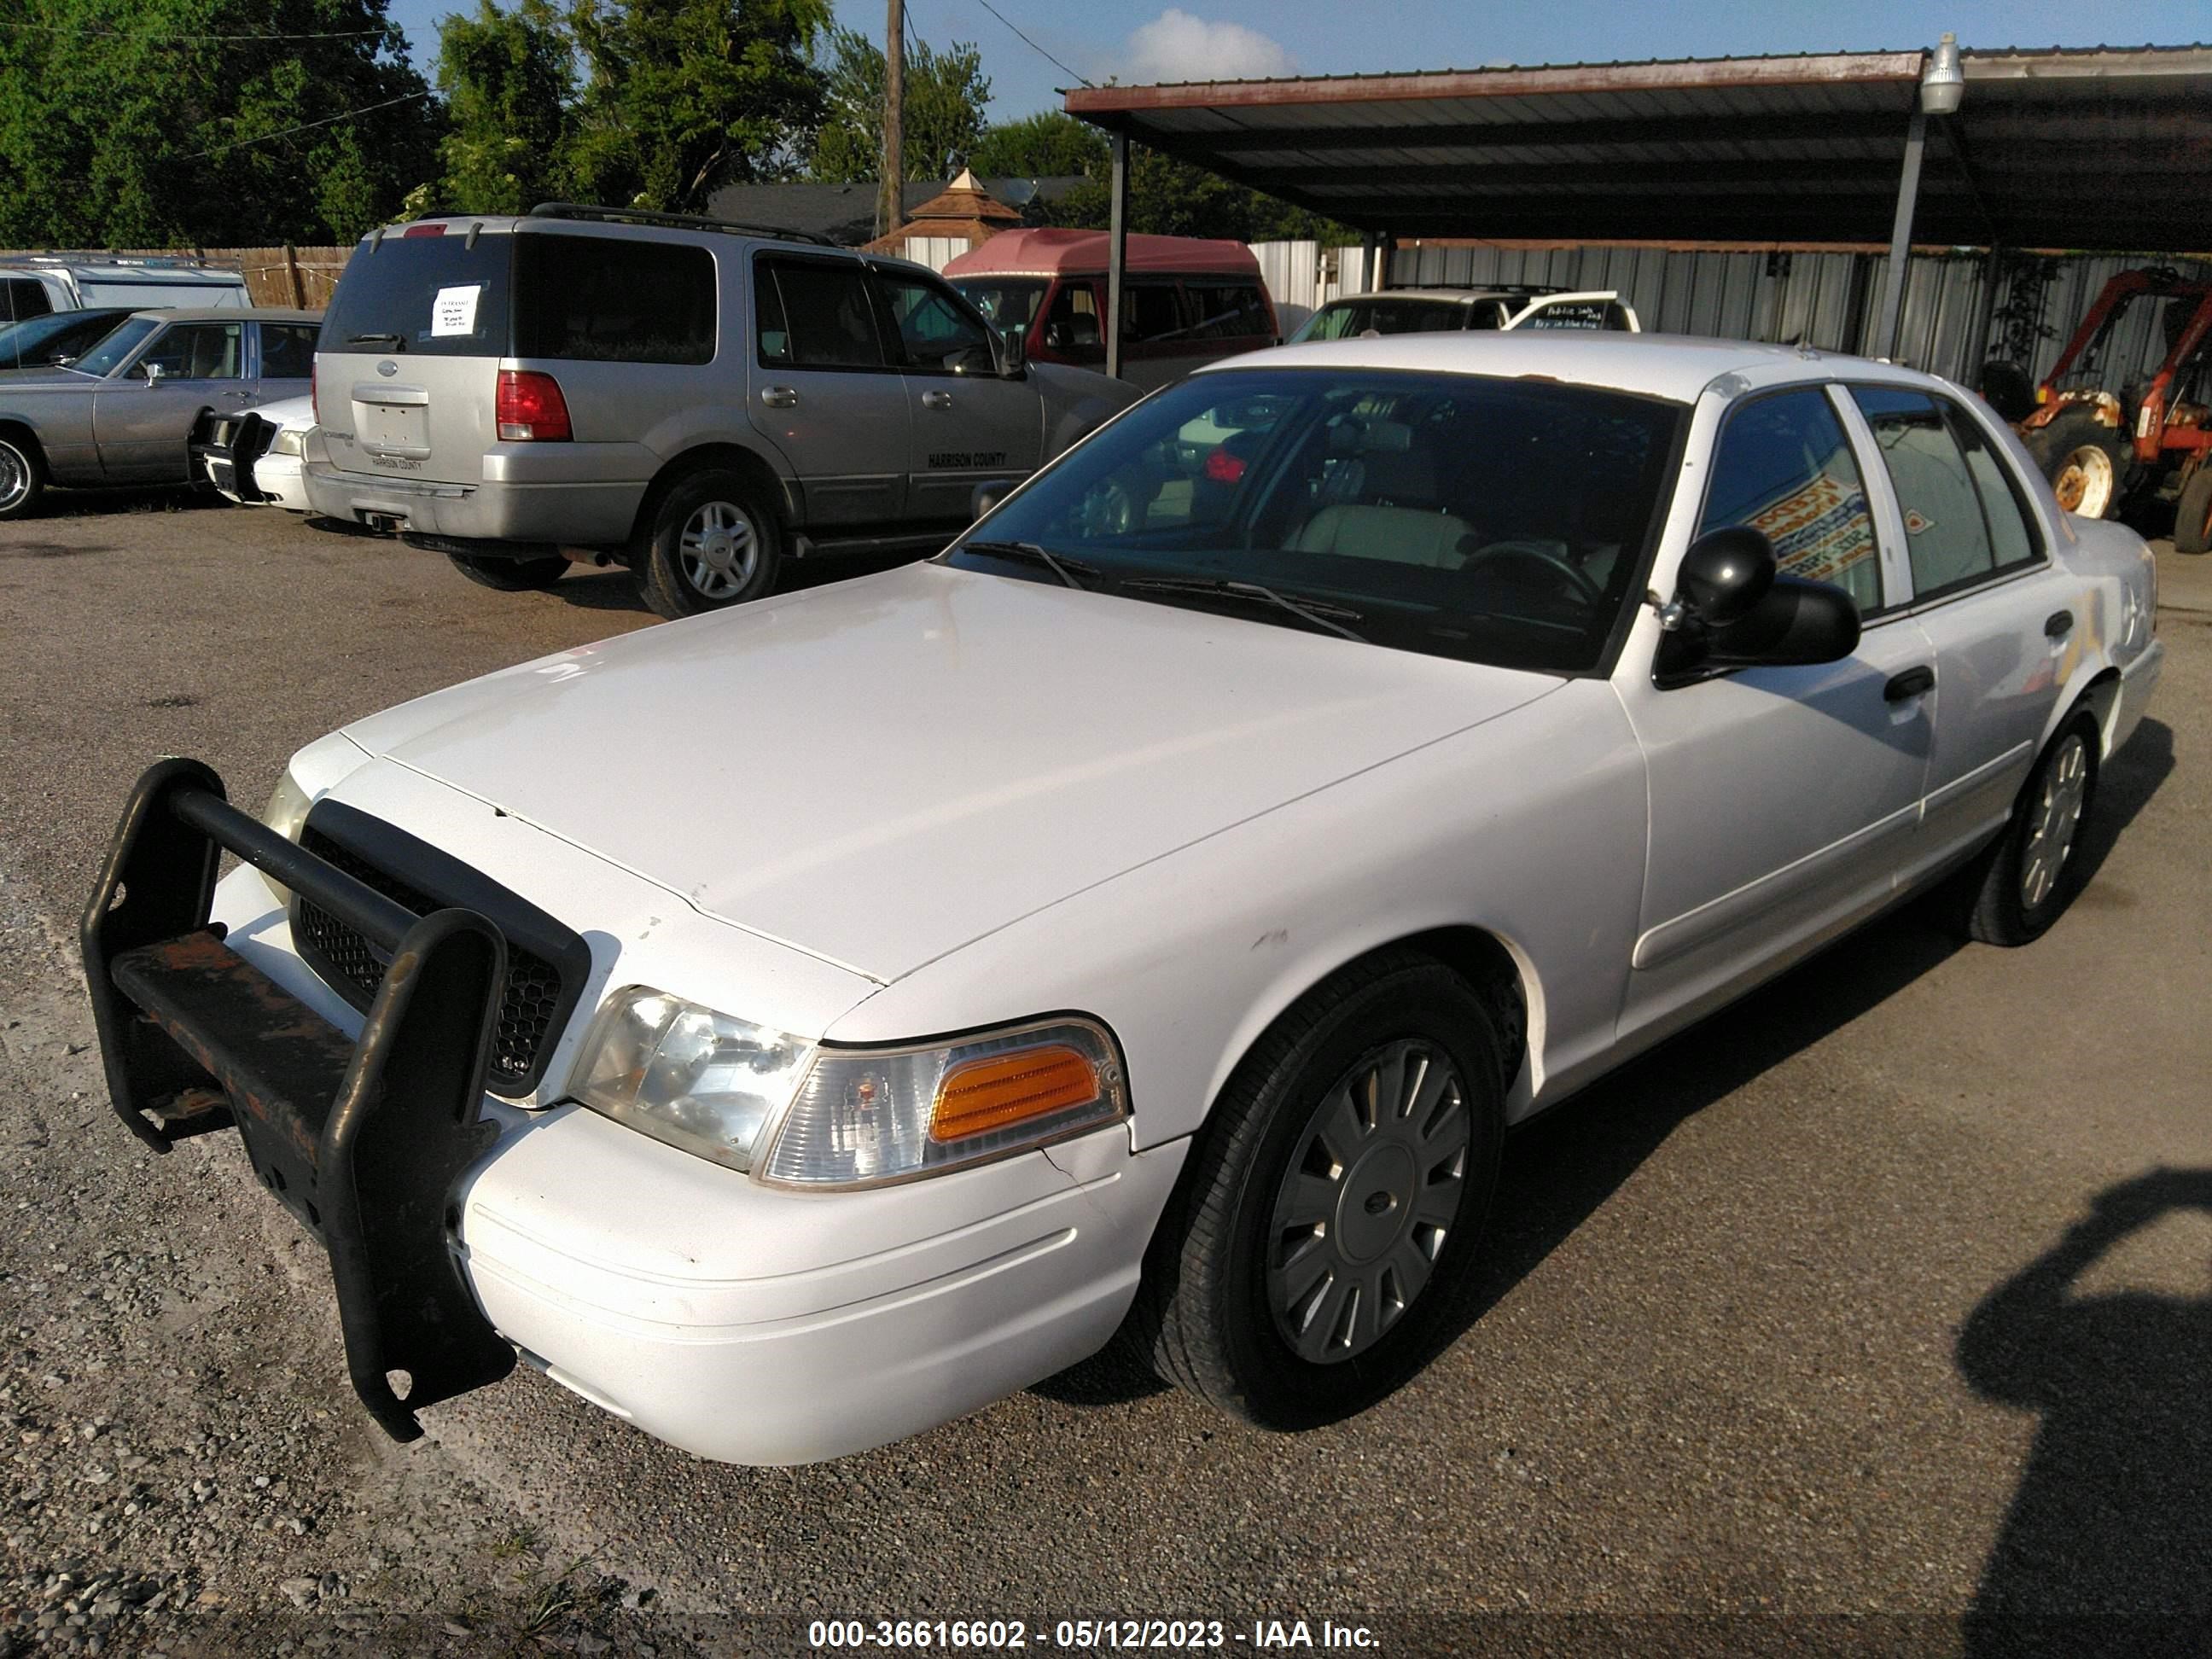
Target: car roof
{"type": "Point", "coordinates": [228, 314]}
{"type": "Point", "coordinates": [1673, 366]}
{"type": "Point", "coordinates": [1053, 250]}
{"type": "Point", "coordinates": [1444, 297]}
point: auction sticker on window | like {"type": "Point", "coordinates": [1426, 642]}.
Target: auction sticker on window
{"type": "Point", "coordinates": [455, 310]}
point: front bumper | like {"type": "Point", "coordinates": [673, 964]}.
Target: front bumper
{"type": "Point", "coordinates": [740, 1323]}
{"type": "Point", "coordinates": [231, 452]}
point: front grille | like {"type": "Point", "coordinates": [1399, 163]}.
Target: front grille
{"type": "Point", "coordinates": [538, 994]}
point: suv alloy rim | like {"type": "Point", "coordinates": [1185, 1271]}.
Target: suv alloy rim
{"type": "Point", "coordinates": [2057, 816]}
{"type": "Point", "coordinates": [1373, 1188]}
{"type": "Point", "coordinates": [721, 550]}
{"type": "Point", "coordinates": [2084, 485]}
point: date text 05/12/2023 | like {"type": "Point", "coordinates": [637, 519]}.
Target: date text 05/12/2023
{"type": "Point", "coordinates": [1004, 1635]}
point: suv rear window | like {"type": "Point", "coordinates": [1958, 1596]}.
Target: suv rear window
{"type": "Point", "coordinates": [613, 299]}
{"type": "Point", "coordinates": [435, 296]}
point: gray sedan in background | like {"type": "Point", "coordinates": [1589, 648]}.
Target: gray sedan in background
{"type": "Point", "coordinates": [122, 413]}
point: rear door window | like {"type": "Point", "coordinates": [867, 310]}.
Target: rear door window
{"type": "Point", "coordinates": [430, 295]}
{"type": "Point", "coordinates": [815, 314]}
{"type": "Point", "coordinates": [1228, 311]}
{"type": "Point", "coordinates": [1153, 312]}
{"type": "Point", "coordinates": [288, 350]}
{"type": "Point", "coordinates": [1963, 521]}
{"type": "Point", "coordinates": [608, 299]}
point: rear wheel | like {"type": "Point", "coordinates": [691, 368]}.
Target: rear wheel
{"type": "Point", "coordinates": [2087, 462]}
{"type": "Point", "coordinates": [22, 476]}
{"type": "Point", "coordinates": [510, 575]}
{"type": "Point", "coordinates": [1320, 1246]}
{"type": "Point", "coordinates": [714, 542]}
{"type": "Point", "coordinates": [2024, 882]}
{"type": "Point", "coordinates": [2192, 518]}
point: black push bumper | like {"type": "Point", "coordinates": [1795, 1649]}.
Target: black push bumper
{"type": "Point", "coordinates": [224, 449]}
{"type": "Point", "coordinates": [363, 1141]}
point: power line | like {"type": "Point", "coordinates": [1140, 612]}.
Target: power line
{"type": "Point", "coordinates": [133, 34]}
{"type": "Point", "coordinates": [1032, 45]}
{"type": "Point", "coordinates": [347, 115]}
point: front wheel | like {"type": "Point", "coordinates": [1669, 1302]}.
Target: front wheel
{"type": "Point", "coordinates": [2024, 882]}
{"type": "Point", "coordinates": [22, 476]}
{"type": "Point", "coordinates": [1320, 1246]}
{"type": "Point", "coordinates": [2192, 516]}
{"type": "Point", "coordinates": [510, 575]}
{"type": "Point", "coordinates": [713, 542]}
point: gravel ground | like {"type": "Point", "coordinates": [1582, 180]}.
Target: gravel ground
{"type": "Point", "coordinates": [1731, 1393]}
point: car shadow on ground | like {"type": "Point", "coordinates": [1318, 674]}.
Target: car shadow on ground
{"type": "Point", "coordinates": [1560, 1166]}
{"type": "Point", "coordinates": [2107, 1547]}
{"type": "Point", "coordinates": [61, 503]}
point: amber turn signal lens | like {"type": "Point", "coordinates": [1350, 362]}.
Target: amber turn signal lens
{"type": "Point", "coordinates": [997, 1090]}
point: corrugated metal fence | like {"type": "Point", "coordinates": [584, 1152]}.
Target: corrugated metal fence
{"type": "Point", "coordinates": [1830, 301]}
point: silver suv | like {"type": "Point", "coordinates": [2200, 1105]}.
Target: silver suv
{"type": "Point", "coordinates": [693, 398]}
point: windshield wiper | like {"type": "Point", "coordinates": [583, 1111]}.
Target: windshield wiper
{"type": "Point", "coordinates": [397, 342]}
{"type": "Point", "coordinates": [1314, 612]}
{"type": "Point", "coordinates": [1069, 571]}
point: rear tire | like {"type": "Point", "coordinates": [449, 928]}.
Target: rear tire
{"type": "Point", "coordinates": [510, 575]}
{"type": "Point", "coordinates": [2087, 462]}
{"type": "Point", "coordinates": [1311, 1262]}
{"type": "Point", "coordinates": [713, 542]}
{"type": "Point", "coordinates": [2192, 515]}
{"type": "Point", "coordinates": [2025, 880]}
{"type": "Point", "coordinates": [22, 476]}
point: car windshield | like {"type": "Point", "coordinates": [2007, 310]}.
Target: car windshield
{"type": "Point", "coordinates": [61, 334]}
{"type": "Point", "coordinates": [1344, 319]}
{"type": "Point", "coordinates": [1493, 520]}
{"type": "Point", "coordinates": [1006, 301]}
{"type": "Point", "coordinates": [128, 337]}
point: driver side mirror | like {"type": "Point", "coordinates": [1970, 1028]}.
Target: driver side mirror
{"type": "Point", "coordinates": [152, 372]}
{"type": "Point", "coordinates": [1013, 352]}
{"type": "Point", "coordinates": [989, 496]}
{"type": "Point", "coordinates": [1732, 608]}
{"type": "Point", "coordinates": [1058, 337]}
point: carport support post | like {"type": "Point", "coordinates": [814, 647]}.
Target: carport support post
{"type": "Point", "coordinates": [1117, 251]}
{"type": "Point", "coordinates": [1986, 308]}
{"type": "Point", "coordinates": [1900, 239]}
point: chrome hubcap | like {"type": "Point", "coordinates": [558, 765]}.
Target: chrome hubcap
{"type": "Point", "coordinates": [1373, 1190]}
{"type": "Point", "coordinates": [2084, 483]}
{"type": "Point", "coordinates": [2057, 816]}
{"type": "Point", "coordinates": [720, 549]}
{"type": "Point", "coordinates": [15, 476]}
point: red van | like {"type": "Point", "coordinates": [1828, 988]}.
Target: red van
{"type": "Point", "coordinates": [1187, 301]}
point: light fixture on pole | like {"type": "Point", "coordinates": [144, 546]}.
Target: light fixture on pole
{"type": "Point", "coordinates": [1942, 83]}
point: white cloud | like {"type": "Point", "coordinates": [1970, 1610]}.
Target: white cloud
{"type": "Point", "coordinates": [1177, 46]}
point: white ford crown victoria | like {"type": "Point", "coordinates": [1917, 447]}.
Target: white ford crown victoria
{"type": "Point", "coordinates": [798, 1026]}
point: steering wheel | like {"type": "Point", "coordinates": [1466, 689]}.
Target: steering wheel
{"type": "Point", "coordinates": [1543, 559]}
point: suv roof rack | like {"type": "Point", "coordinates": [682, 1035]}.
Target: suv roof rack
{"type": "Point", "coordinates": [1472, 289]}
{"type": "Point", "coordinates": [672, 220]}
{"type": "Point", "coordinates": [94, 257]}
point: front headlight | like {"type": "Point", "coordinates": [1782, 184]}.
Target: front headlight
{"type": "Point", "coordinates": [286, 813]}
{"type": "Point", "coordinates": [758, 1099]}
{"type": "Point", "coordinates": [288, 441]}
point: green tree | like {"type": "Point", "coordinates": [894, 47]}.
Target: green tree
{"type": "Point", "coordinates": [683, 96]}
{"type": "Point", "coordinates": [1168, 197]}
{"type": "Point", "coordinates": [943, 123]}
{"type": "Point", "coordinates": [1050, 144]}
{"type": "Point", "coordinates": [509, 81]}
{"type": "Point", "coordinates": [129, 126]}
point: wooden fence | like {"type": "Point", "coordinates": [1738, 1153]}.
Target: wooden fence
{"type": "Point", "coordinates": [284, 276]}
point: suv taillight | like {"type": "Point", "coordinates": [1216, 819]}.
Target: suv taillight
{"type": "Point", "coordinates": [531, 408]}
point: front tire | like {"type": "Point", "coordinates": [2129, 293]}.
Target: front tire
{"type": "Point", "coordinates": [714, 542]}
{"type": "Point", "coordinates": [22, 476]}
{"type": "Point", "coordinates": [2087, 462]}
{"type": "Point", "coordinates": [2192, 514]}
{"type": "Point", "coordinates": [1320, 1246]}
{"type": "Point", "coordinates": [510, 575]}
{"type": "Point", "coordinates": [2028, 878]}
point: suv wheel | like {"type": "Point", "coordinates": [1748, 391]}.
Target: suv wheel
{"type": "Point", "coordinates": [22, 476]}
{"type": "Point", "coordinates": [510, 575]}
{"type": "Point", "coordinates": [713, 543]}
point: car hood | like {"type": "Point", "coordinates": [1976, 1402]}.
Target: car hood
{"type": "Point", "coordinates": [287, 413]}
{"type": "Point", "coordinates": [879, 771]}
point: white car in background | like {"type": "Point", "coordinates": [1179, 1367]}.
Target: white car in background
{"type": "Point", "coordinates": [253, 456]}
{"type": "Point", "coordinates": [1148, 915]}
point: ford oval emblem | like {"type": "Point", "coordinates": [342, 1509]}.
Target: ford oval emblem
{"type": "Point", "coordinates": [387, 369]}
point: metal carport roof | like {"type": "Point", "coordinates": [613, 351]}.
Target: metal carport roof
{"type": "Point", "coordinates": [2103, 148]}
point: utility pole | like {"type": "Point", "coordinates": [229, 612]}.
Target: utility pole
{"type": "Point", "coordinates": [890, 194]}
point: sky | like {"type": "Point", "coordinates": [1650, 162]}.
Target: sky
{"type": "Point", "coordinates": [1144, 41]}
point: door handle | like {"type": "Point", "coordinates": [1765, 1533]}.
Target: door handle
{"type": "Point", "coordinates": [1909, 684]}
{"type": "Point", "coordinates": [937, 400]}
{"type": "Point", "coordinates": [780, 397]}
{"type": "Point", "coordinates": [2058, 624]}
